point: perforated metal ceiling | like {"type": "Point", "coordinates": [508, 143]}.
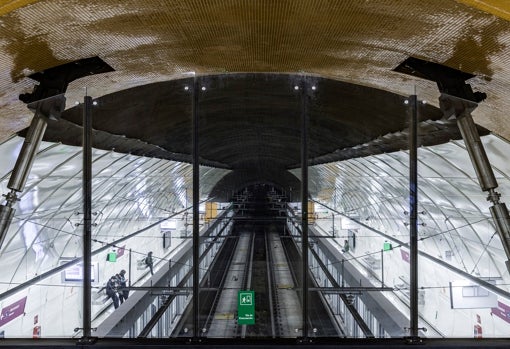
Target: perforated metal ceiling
{"type": "Point", "coordinates": [354, 41]}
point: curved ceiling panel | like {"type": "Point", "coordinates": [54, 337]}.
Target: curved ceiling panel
{"type": "Point", "coordinates": [130, 193]}
{"type": "Point", "coordinates": [455, 224]}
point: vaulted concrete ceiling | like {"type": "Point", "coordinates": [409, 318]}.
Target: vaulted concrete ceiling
{"type": "Point", "coordinates": [349, 47]}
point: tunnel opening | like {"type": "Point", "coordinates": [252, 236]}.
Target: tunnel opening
{"type": "Point", "coordinates": [261, 203]}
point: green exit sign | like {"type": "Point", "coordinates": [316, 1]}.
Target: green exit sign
{"type": "Point", "coordinates": [111, 257]}
{"type": "Point", "coordinates": [246, 307]}
{"type": "Point", "coordinates": [387, 246]}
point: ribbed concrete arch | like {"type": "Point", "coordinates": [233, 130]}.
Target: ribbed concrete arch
{"type": "Point", "coordinates": [454, 213]}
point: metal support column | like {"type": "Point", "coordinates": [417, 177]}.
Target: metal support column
{"type": "Point", "coordinates": [458, 100]}
{"type": "Point", "coordinates": [333, 234]}
{"type": "Point", "coordinates": [483, 169]}
{"type": "Point", "coordinates": [43, 110]}
{"type": "Point", "coordinates": [304, 203]}
{"type": "Point", "coordinates": [28, 151]}
{"type": "Point", "coordinates": [129, 273]}
{"type": "Point", "coordinates": [87, 216]}
{"type": "Point", "coordinates": [461, 109]}
{"type": "Point", "coordinates": [6, 216]}
{"type": "Point", "coordinates": [382, 268]}
{"type": "Point", "coordinates": [47, 101]}
{"type": "Point", "coordinates": [196, 188]}
{"type": "Point", "coordinates": [413, 215]}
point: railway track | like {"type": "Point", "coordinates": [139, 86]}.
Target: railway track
{"type": "Point", "coordinates": [264, 259]}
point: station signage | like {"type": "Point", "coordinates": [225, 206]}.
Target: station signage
{"type": "Point", "coordinates": [12, 311]}
{"type": "Point", "coordinates": [246, 307]}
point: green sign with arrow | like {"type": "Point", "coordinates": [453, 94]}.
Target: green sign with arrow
{"type": "Point", "coordinates": [246, 307]}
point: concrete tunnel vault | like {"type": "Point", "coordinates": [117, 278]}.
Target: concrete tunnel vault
{"type": "Point", "coordinates": [249, 124]}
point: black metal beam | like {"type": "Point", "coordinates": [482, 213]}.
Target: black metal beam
{"type": "Point", "coordinates": [304, 202]}
{"type": "Point", "coordinates": [351, 289]}
{"type": "Point", "coordinates": [87, 215]}
{"type": "Point", "coordinates": [252, 343]}
{"type": "Point", "coordinates": [196, 191]}
{"type": "Point", "coordinates": [54, 81]}
{"type": "Point", "coordinates": [449, 81]}
{"type": "Point", "coordinates": [413, 215]}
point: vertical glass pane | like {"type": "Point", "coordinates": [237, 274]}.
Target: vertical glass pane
{"type": "Point", "coordinates": [459, 242]}
{"type": "Point", "coordinates": [140, 220]}
{"type": "Point", "coordinates": [35, 247]}
{"type": "Point", "coordinates": [246, 127]}
{"type": "Point", "coordinates": [168, 305]}
{"type": "Point", "coordinates": [327, 247]}
{"type": "Point", "coordinates": [357, 226]}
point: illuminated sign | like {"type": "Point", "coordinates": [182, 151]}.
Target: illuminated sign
{"type": "Point", "coordinates": [74, 273]}
{"type": "Point", "coordinates": [168, 225]}
{"type": "Point", "coordinates": [246, 307]}
{"type": "Point", "coordinates": [111, 257]}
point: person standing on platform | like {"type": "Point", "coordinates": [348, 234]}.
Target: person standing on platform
{"type": "Point", "coordinates": [111, 291]}
{"type": "Point", "coordinates": [149, 262]}
{"type": "Point", "coordinates": [123, 291]}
